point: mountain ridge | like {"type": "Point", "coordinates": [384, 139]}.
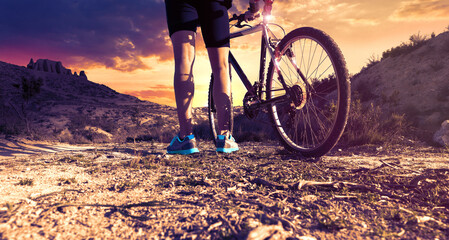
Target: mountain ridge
{"type": "Point", "coordinates": [71, 108]}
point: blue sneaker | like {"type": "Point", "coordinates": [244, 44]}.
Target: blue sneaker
{"type": "Point", "coordinates": [226, 145]}
{"type": "Point", "coordinates": [184, 147]}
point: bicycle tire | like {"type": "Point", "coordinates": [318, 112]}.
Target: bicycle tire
{"type": "Point", "coordinates": [212, 112]}
{"type": "Point", "coordinates": [313, 124]}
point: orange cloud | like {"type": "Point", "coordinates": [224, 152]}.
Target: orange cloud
{"type": "Point", "coordinates": [422, 10]}
{"type": "Point", "coordinates": [163, 94]}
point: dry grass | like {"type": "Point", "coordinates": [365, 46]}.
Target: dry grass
{"type": "Point", "coordinates": [370, 125]}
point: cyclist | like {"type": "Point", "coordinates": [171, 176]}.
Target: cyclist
{"type": "Point", "coordinates": [183, 17]}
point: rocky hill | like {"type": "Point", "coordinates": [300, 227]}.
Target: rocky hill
{"type": "Point", "coordinates": [414, 81]}
{"type": "Point", "coordinates": [45, 100]}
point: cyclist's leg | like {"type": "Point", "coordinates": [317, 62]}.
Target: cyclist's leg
{"type": "Point", "coordinates": [184, 54]}
{"type": "Point", "coordinates": [213, 17]}
{"type": "Point", "coordinates": [182, 21]}
{"type": "Point", "coordinates": [222, 97]}
{"type": "Point", "coordinates": [222, 86]}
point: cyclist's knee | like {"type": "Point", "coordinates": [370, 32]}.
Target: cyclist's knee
{"type": "Point", "coordinates": [219, 59]}
{"type": "Point", "coordinates": [184, 50]}
{"type": "Point", "coordinates": [220, 67]}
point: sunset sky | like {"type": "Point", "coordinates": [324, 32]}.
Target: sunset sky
{"type": "Point", "coordinates": [125, 44]}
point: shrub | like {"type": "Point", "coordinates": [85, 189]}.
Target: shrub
{"type": "Point", "coordinates": [159, 131]}
{"type": "Point", "coordinates": [202, 130]}
{"type": "Point", "coordinates": [369, 125]}
{"type": "Point", "coordinates": [416, 41]}
{"type": "Point", "coordinates": [258, 130]}
{"type": "Point", "coordinates": [245, 129]}
{"type": "Point", "coordinates": [372, 60]}
{"type": "Point", "coordinates": [364, 91]}
{"type": "Point", "coordinates": [80, 129]}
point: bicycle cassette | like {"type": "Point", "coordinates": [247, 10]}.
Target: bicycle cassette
{"type": "Point", "coordinates": [249, 102]}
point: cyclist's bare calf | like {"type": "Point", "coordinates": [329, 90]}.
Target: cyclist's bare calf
{"type": "Point", "coordinates": [222, 86]}
{"type": "Point", "coordinates": [184, 54]}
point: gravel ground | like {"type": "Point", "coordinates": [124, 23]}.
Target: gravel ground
{"type": "Point", "coordinates": [136, 191]}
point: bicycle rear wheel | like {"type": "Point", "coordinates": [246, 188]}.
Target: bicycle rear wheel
{"type": "Point", "coordinates": [212, 111]}
{"type": "Point", "coordinates": [313, 79]}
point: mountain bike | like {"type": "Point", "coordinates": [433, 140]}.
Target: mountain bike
{"type": "Point", "coordinates": [306, 89]}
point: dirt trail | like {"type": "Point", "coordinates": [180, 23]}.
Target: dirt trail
{"type": "Point", "coordinates": [137, 191]}
{"type": "Point", "coordinates": [19, 148]}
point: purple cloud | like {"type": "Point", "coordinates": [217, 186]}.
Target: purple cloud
{"type": "Point", "coordinates": [112, 33]}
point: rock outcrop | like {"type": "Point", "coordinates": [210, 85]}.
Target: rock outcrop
{"type": "Point", "coordinates": [45, 65]}
{"type": "Point", "coordinates": [442, 135]}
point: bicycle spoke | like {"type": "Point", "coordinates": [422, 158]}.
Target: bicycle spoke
{"type": "Point", "coordinates": [316, 113]}
{"type": "Point", "coordinates": [330, 65]}
{"type": "Point", "coordinates": [285, 74]}
{"type": "Point", "coordinates": [311, 56]}
{"type": "Point", "coordinates": [314, 132]}
{"type": "Point", "coordinates": [319, 61]}
{"type": "Point", "coordinates": [302, 55]}
{"type": "Point", "coordinates": [317, 67]}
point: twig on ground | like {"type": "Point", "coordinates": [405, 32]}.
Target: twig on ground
{"type": "Point", "coordinates": [327, 185]}
{"type": "Point", "coordinates": [345, 197]}
{"type": "Point", "coordinates": [393, 165]}
{"type": "Point", "coordinates": [268, 232]}
{"type": "Point", "coordinates": [423, 219]}
{"type": "Point", "coordinates": [53, 193]}
{"type": "Point", "coordinates": [234, 232]}
{"type": "Point", "coordinates": [187, 202]}
{"type": "Point", "coordinates": [264, 182]}
{"type": "Point", "coordinates": [215, 225]}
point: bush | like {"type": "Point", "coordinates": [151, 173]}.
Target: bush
{"type": "Point", "coordinates": [202, 130]}
{"type": "Point", "coordinates": [245, 129]}
{"type": "Point", "coordinates": [83, 129]}
{"type": "Point", "coordinates": [416, 41]}
{"type": "Point", "coordinates": [369, 125]}
{"type": "Point", "coordinates": [372, 60]}
{"type": "Point", "coordinates": [253, 130]}
{"type": "Point", "coordinates": [364, 91]}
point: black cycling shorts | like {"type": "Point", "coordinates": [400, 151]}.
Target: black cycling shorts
{"type": "Point", "coordinates": [211, 15]}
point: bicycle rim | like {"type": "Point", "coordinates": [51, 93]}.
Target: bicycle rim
{"type": "Point", "coordinates": [313, 119]}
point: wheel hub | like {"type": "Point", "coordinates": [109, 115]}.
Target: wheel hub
{"type": "Point", "coordinates": [298, 95]}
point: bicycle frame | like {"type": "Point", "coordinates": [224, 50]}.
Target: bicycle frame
{"type": "Point", "coordinates": [258, 28]}
{"type": "Point", "coordinates": [265, 46]}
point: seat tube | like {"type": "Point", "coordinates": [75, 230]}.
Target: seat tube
{"type": "Point", "coordinates": [274, 59]}
{"type": "Point", "coordinates": [263, 57]}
